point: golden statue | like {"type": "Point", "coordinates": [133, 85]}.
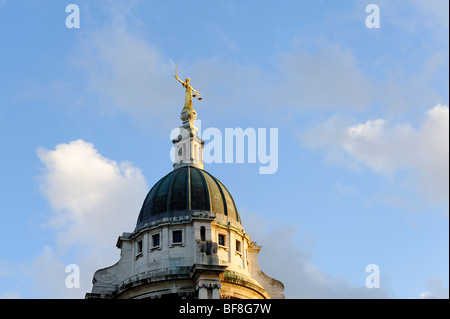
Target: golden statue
{"type": "Point", "coordinates": [190, 91]}
{"type": "Point", "coordinates": [188, 114]}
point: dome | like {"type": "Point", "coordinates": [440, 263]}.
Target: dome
{"type": "Point", "coordinates": [184, 190]}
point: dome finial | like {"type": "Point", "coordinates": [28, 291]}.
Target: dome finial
{"type": "Point", "coordinates": [188, 146]}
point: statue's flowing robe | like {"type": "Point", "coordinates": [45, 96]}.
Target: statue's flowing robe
{"type": "Point", "coordinates": [188, 97]}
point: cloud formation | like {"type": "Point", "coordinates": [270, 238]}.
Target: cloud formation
{"type": "Point", "coordinates": [435, 290]}
{"type": "Point", "coordinates": [93, 199]}
{"type": "Point", "coordinates": [91, 195]}
{"type": "Point", "coordinates": [304, 76]}
{"type": "Point", "coordinates": [127, 73]}
{"type": "Point", "coordinates": [388, 148]}
{"type": "Point", "coordinates": [291, 262]}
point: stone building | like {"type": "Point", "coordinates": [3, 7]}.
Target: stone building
{"type": "Point", "coordinates": [189, 241]}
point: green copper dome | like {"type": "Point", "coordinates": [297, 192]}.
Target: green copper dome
{"type": "Point", "coordinates": [184, 190]}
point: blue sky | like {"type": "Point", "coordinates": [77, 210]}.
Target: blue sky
{"type": "Point", "coordinates": [362, 117]}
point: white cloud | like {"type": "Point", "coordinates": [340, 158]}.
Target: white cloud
{"type": "Point", "coordinates": [230, 86]}
{"type": "Point", "coordinates": [48, 276]}
{"type": "Point", "coordinates": [417, 15]}
{"type": "Point", "coordinates": [390, 148]}
{"type": "Point", "coordinates": [226, 42]}
{"type": "Point", "coordinates": [127, 73]}
{"type": "Point", "coordinates": [344, 190]}
{"type": "Point", "coordinates": [298, 82]}
{"type": "Point", "coordinates": [91, 195]}
{"type": "Point", "coordinates": [435, 290]}
{"type": "Point", "coordinates": [284, 259]}
{"type": "Point", "coordinates": [94, 200]}
{"type": "Point", "coordinates": [434, 13]}
{"type": "Point", "coordinates": [327, 77]}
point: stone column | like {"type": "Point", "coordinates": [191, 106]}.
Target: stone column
{"type": "Point", "coordinates": [207, 280]}
{"type": "Point", "coordinates": [208, 290]}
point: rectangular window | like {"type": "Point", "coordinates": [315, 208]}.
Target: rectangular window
{"type": "Point", "coordinates": [221, 240]}
{"type": "Point", "coordinates": [238, 246]}
{"type": "Point", "coordinates": [138, 249]}
{"type": "Point", "coordinates": [177, 236]}
{"type": "Point", "coordinates": [155, 240]}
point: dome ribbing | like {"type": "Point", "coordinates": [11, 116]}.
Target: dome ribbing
{"type": "Point", "coordinates": [184, 190]}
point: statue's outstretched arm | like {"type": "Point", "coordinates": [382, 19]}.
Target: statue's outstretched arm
{"type": "Point", "coordinates": [176, 77]}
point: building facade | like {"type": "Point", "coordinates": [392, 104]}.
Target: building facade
{"type": "Point", "coordinates": [189, 241]}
